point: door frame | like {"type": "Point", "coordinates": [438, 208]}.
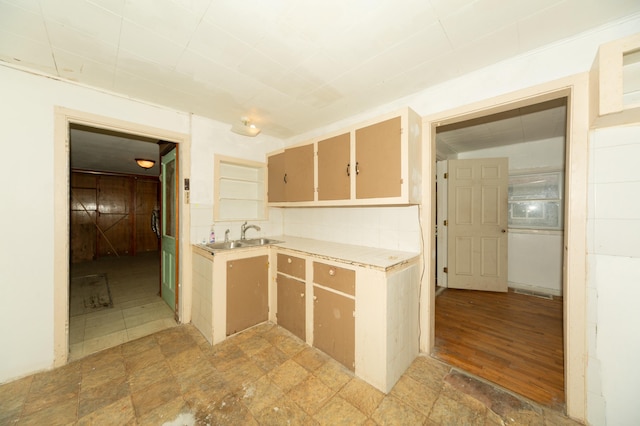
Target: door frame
{"type": "Point", "coordinates": [576, 90]}
{"type": "Point", "coordinates": [63, 118]}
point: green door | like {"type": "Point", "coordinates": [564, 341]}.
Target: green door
{"type": "Point", "coordinates": [169, 230]}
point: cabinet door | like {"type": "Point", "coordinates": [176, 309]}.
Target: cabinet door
{"type": "Point", "coordinates": [247, 293]}
{"type": "Point", "coordinates": [291, 305]}
{"type": "Point", "coordinates": [276, 171]}
{"type": "Point", "coordinates": [299, 173]}
{"type": "Point", "coordinates": [334, 168]}
{"type": "Point", "coordinates": [334, 326]}
{"type": "Point", "coordinates": [378, 165]}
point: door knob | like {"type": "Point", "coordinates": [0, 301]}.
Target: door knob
{"type": "Point", "coordinates": [503, 231]}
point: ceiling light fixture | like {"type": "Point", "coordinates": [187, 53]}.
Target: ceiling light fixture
{"type": "Point", "coordinates": [246, 128]}
{"type": "Point", "coordinates": [144, 163]}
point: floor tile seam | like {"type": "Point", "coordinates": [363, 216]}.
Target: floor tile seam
{"type": "Point", "coordinates": [143, 323]}
{"type": "Point", "coordinates": [105, 325]}
{"type": "Point", "coordinates": [24, 401]}
{"type": "Point", "coordinates": [415, 407]}
{"type": "Point", "coordinates": [334, 393]}
{"type": "Point", "coordinates": [78, 419]}
{"type": "Point", "coordinates": [23, 414]}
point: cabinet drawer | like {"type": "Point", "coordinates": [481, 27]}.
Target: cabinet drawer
{"type": "Point", "coordinates": [291, 265]}
{"type": "Point", "coordinates": [334, 277]}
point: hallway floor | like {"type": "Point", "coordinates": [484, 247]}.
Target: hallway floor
{"type": "Point", "coordinates": [511, 339]}
{"type": "Point", "coordinates": [137, 309]}
{"type": "Point", "coordinates": [262, 376]}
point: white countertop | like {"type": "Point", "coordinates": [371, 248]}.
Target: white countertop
{"type": "Point", "coordinates": [346, 253]}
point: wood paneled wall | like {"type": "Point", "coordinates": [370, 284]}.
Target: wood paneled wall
{"type": "Point", "coordinates": [111, 214]}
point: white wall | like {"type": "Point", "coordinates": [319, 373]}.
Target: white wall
{"type": "Point", "coordinates": [614, 277]}
{"type": "Point", "coordinates": [543, 154]}
{"type": "Point", "coordinates": [26, 250]}
{"type": "Point", "coordinates": [534, 257]}
{"type": "Point", "coordinates": [210, 138]}
{"type": "Point", "coordinates": [395, 228]}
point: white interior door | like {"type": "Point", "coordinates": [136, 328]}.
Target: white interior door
{"type": "Point", "coordinates": [477, 224]}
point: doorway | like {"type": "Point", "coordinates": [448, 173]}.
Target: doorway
{"type": "Point", "coordinates": [575, 90]}
{"type": "Point", "coordinates": [64, 120]}
{"type": "Point", "coordinates": [115, 239]}
{"type": "Point", "coordinates": [513, 338]}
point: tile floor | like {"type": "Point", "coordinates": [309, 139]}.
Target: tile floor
{"type": "Point", "coordinates": [262, 376]}
{"type": "Point", "coordinates": [137, 309]}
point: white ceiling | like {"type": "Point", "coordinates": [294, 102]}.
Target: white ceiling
{"type": "Point", "coordinates": [290, 65]}
{"type": "Point", "coordinates": [542, 121]}
{"type": "Point", "coordinates": [105, 151]}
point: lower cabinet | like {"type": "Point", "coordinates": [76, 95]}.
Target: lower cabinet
{"type": "Point", "coordinates": [292, 305]}
{"type": "Point", "coordinates": [291, 288]}
{"type": "Point", "coordinates": [230, 291]}
{"type": "Point", "coordinates": [334, 325]}
{"type": "Point", "coordinates": [334, 313]}
{"type": "Point", "coordinates": [362, 316]}
{"type": "Point", "coordinates": [247, 292]}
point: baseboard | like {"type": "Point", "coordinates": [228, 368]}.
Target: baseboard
{"type": "Point", "coordinates": [534, 290]}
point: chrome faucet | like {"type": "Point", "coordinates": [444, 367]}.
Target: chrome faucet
{"type": "Point", "coordinates": [244, 227]}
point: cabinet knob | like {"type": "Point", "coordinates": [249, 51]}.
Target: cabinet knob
{"type": "Point", "coordinates": [332, 272]}
{"type": "Point", "coordinates": [301, 294]}
{"type": "Point", "coordinates": [315, 298]}
{"type": "Point", "coordinates": [289, 260]}
{"type": "Point", "coordinates": [231, 265]}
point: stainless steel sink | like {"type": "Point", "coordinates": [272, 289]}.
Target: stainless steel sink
{"type": "Point", "coordinates": [226, 245]}
{"type": "Point", "coordinates": [260, 241]}
{"type": "Point", "coordinates": [230, 245]}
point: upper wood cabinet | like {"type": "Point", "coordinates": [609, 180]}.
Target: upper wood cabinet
{"type": "Point", "coordinates": [334, 168]}
{"type": "Point", "coordinates": [377, 162]}
{"type": "Point", "coordinates": [276, 176]}
{"type": "Point", "coordinates": [291, 175]}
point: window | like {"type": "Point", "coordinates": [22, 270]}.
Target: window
{"type": "Point", "coordinates": [536, 201]}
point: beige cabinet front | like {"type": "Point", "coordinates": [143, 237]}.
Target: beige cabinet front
{"type": "Point", "coordinates": [334, 312]}
{"type": "Point", "coordinates": [291, 288]}
{"type": "Point", "coordinates": [292, 305]}
{"type": "Point", "coordinates": [335, 168]}
{"type": "Point", "coordinates": [247, 292]}
{"type": "Point", "coordinates": [334, 325]}
{"type": "Point", "coordinates": [291, 175]}
{"type": "Point", "coordinates": [378, 160]}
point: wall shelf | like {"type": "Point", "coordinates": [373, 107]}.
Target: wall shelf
{"type": "Point", "coordinates": [239, 189]}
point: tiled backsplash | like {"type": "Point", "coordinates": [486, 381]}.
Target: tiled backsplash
{"type": "Point", "coordinates": [394, 228]}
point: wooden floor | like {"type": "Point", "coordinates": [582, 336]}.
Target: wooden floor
{"type": "Point", "coordinates": [510, 339]}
